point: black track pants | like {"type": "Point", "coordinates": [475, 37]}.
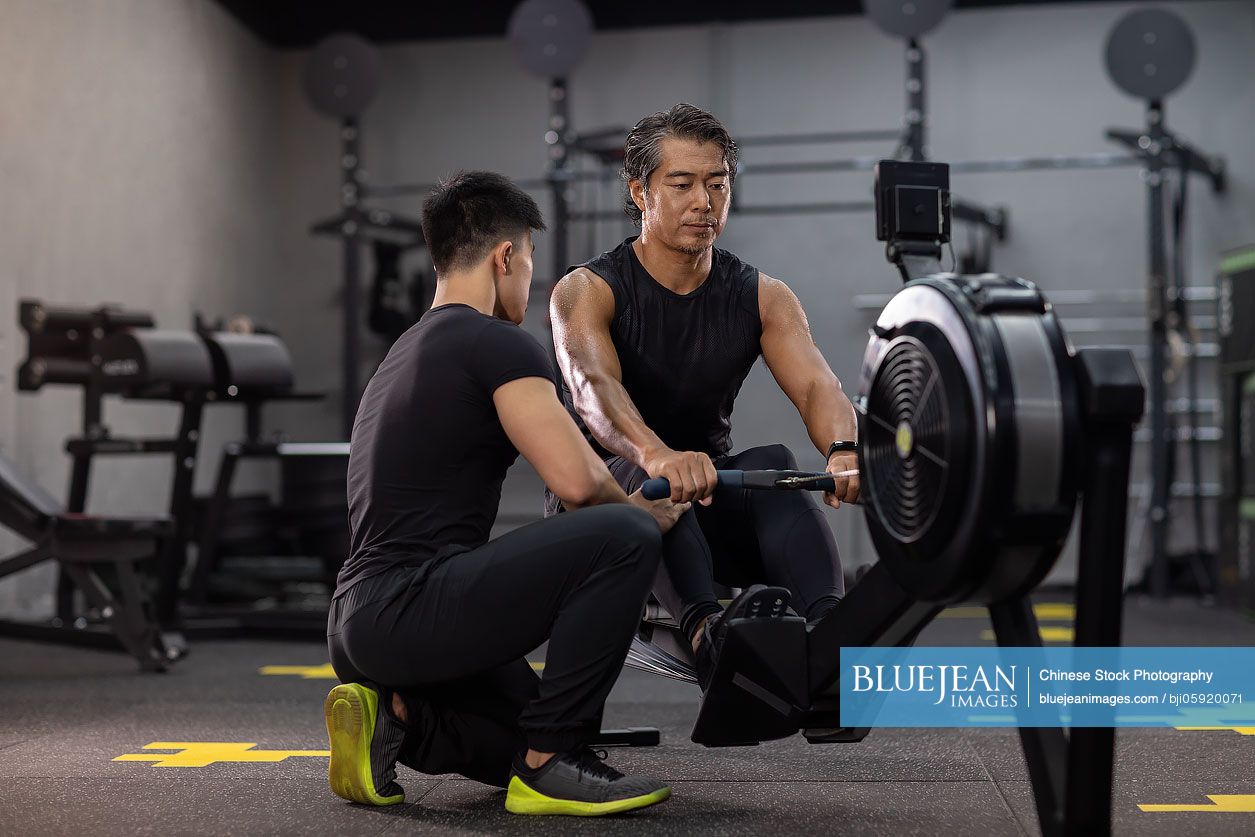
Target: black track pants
{"type": "Point", "coordinates": [450, 636]}
{"type": "Point", "coordinates": [745, 537]}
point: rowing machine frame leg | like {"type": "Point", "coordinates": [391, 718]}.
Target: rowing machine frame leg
{"type": "Point", "coordinates": [1072, 771]}
{"type": "Point", "coordinates": [875, 612]}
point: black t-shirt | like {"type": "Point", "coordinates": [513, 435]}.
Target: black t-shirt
{"type": "Point", "coordinates": [428, 452]}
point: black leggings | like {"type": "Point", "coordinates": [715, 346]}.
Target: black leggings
{"type": "Point", "coordinates": [745, 537]}
{"type": "Point", "coordinates": [449, 636]}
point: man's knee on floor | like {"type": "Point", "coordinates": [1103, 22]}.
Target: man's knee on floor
{"type": "Point", "coordinates": [768, 458]}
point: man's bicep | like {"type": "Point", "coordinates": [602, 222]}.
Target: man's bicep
{"type": "Point", "coordinates": [789, 350]}
{"type": "Point", "coordinates": [581, 309]}
{"type": "Point", "coordinates": [544, 433]}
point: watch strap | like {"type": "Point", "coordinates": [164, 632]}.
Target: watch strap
{"type": "Point", "coordinates": [844, 445]}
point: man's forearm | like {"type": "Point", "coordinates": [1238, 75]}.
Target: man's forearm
{"type": "Point", "coordinates": [614, 421]}
{"type": "Point", "coordinates": [829, 417]}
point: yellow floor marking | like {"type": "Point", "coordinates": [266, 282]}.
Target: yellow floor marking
{"type": "Point", "coordinates": [1050, 611]}
{"type": "Point", "coordinates": [1049, 633]}
{"type": "Point", "coordinates": [204, 753]}
{"type": "Point", "coordinates": [325, 672]}
{"type": "Point", "coordinates": [1221, 803]}
{"type": "Point", "coordinates": [1055, 611]}
{"type": "Point", "coordinates": [322, 672]}
{"type": "Point", "coordinates": [1238, 730]}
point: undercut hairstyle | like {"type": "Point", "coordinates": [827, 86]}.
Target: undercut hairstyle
{"type": "Point", "coordinates": [468, 214]}
{"type": "Point", "coordinates": [642, 151]}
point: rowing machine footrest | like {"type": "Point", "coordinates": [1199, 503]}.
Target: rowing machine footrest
{"type": "Point", "coordinates": [758, 685]}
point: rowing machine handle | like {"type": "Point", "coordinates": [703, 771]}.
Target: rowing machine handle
{"type": "Point", "coordinates": [658, 488]}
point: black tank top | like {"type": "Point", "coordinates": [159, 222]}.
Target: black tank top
{"type": "Point", "coordinates": [684, 357]}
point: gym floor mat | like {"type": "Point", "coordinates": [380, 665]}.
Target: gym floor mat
{"type": "Point", "coordinates": [69, 713]}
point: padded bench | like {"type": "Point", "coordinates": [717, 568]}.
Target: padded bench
{"type": "Point", "coordinates": [80, 543]}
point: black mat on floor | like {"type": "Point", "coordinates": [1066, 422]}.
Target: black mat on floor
{"type": "Point", "coordinates": [68, 714]}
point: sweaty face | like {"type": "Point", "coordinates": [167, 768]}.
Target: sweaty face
{"type": "Point", "coordinates": [514, 286]}
{"type": "Point", "coordinates": [686, 204]}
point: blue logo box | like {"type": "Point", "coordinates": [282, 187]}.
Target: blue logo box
{"type": "Point", "coordinates": [1047, 687]}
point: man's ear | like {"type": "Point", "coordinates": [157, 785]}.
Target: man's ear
{"type": "Point", "coordinates": [502, 256]}
{"type": "Point", "coordinates": [636, 188]}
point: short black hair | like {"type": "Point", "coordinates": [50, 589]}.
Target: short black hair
{"type": "Point", "coordinates": [642, 151]}
{"type": "Point", "coordinates": [466, 215]}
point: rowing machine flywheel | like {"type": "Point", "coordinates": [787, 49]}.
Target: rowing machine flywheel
{"type": "Point", "coordinates": [971, 434]}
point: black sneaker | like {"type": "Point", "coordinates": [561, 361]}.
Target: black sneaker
{"type": "Point", "coordinates": [756, 602]}
{"type": "Point", "coordinates": [365, 743]}
{"type": "Point", "coordinates": [579, 784]}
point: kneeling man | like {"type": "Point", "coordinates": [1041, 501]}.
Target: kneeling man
{"type": "Point", "coordinates": [431, 620]}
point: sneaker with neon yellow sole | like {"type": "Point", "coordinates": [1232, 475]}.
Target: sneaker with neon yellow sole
{"type": "Point", "coordinates": [365, 743]}
{"type": "Point", "coordinates": [579, 784]}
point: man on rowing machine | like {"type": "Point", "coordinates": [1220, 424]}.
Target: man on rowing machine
{"type": "Point", "coordinates": [655, 338]}
{"type": "Point", "coordinates": [430, 620]}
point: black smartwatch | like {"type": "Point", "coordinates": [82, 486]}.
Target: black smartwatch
{"type": "Point", "coordinates": [836, 447]}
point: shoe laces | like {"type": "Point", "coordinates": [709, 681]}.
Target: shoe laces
{"type": "Point", "coordinates": [592, 763]}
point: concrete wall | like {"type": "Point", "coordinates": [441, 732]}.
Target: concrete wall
{"type": "Point", "coordinates": [139, 159]}
{"type": "Point", "coordinates": [1003, 82]}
